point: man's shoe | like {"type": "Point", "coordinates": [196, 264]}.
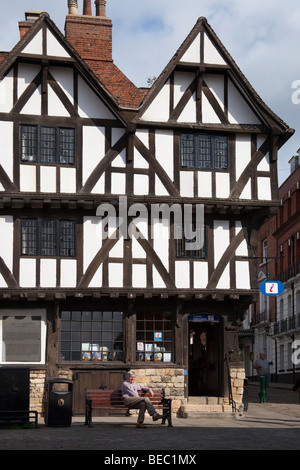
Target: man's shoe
{"type": "Point", "coordinates": [141, 426]}
{"type": "Point", "coordinates": [157, 416]}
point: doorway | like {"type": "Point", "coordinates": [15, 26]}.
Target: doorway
{"type": "Point", "coordinates": [204, 355]}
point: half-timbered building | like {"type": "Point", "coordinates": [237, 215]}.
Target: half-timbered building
{"type": "Point", "coordinates": [79, 296]}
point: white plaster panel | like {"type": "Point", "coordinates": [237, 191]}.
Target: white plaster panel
{"type": "Point", "coordinates": [222, 185]}
{"type": "Point", "coordinates": [246, 193]}
{"type": "Point", "coordinates": [200, 274]}
{"type": "Point", "coordinates": [27, 272]}
{"type": "Point", "coordinates": [216, 85]}
{"type": "Point", "coordinates": [6, 147]}
{"type": "Point", "coordinates": [224, 281]}
{"type": "Point", "coordinates": [211, 54]}
{"type": "Point", "coordinates": [48, 179]}
{"type": "Point", "coordinates": [89, 105]}
{"type": "Point", "coordinates": [96, 281]}
{"type": "Point", "coordinates": [264, 165]}
{"type": "Point", "coordinates": [36, 44]}
{"type": "Point", "coordinates": [54, 48]}
{"type": "Point", "coordinates": [221, 238]}
{"type": "Point", "coordinates": [182, 274]}
{"type": "Point", "coordinates": [189, 112]}
{"type": "Point", "coordinates": [6, 92]}
{"type": "Point", "coordinates": [264, 188]}
{"type": "Point", "coordinates": [93, 149]}
{"type": "Point", "coordinates": [137, 250]}
{"type": "Point", "coordinates": [48, 273]}
{"type": "Point", "coordinates": [192, 54]}
{"type": "Point", "coordinates": [164, 151]}
{"type": "Point", "coordinates": [65, 78]}
{"type": "Point", "coordinates": [139, 161]}
{"type": "Point", "coordinates": [242, 275]}
{"type": "Point", "coordinates": [182, 81]}
{"type": "Point", "coordinates": [161, 236]}
{"type": "Point", "coordinates": [68, 273]}
{"type": "Point", "coordinates": [159, 108]}
{"type": "Point", "coordinates": [187, 183]}
{"type": "Point", "coordinates": [143, 135]}
{"type": "Point", "coordinates": [139, 275]}
{"type": "Point", "coordinates": [158, 282]}
{"type": "Point", "coordinates": [27, 178]}
{"type": "Point", "coordinates": [243, 153]}
{"type": "Point", "coordinates": [141, 184]}
{"type": "Point", "coordinates": [2, 281]}
{"type": "Point", "coordinates": [204, 184]}
{"type": "Point", "coordinates": [6, 236]}
{"type": "Point", "coordinates": [67, 180]}
{"type": "Point", "coordinates": [242, 249]}
{"type": "Point", "coordinates": [99, 186]}
{"type": "Point", "coordinates": [34, 104]}
{"type": "Point", "coordinates": [239, 111]}
{"type": "Point", "coordinates": [160, 189]}
{"type": "Point", "coordinates": [26, 74]}
{"type": "Point", "coordinates": [55, 105]}
{"type": "Point", "coordinates": [92, 239]}
{"type": "Point", "coordinates": [208, 113]}
{"type": "Point", "coordinates": [120, 160]}
{"type": "Point", "coordinates": [1, 187]}
{"type": "Point", "coordinates": [118, 183]}
{"type": "Point", "coordinates": [115, 274]}
{"type": "Point", "coordinates": [117, 251]}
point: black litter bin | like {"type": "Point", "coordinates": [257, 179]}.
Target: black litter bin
{"type": "Point", "coordinates": [60, 396]}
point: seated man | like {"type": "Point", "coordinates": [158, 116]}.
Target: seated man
{"type": "Point", "coordinates": [132, 399]}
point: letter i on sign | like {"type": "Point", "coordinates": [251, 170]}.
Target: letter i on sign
{"type": "Point", "coordinates": [271, 288]}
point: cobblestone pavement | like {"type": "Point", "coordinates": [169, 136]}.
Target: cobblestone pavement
{"type": "Point", "coordinates": [264, 426]}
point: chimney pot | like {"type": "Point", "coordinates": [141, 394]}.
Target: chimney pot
{"type": "Point", "coordinates": [87, 8]}
{"type": "Point", "coordinates": [100, 8]}
{"type": "Point", "coordinates": [73, 7]}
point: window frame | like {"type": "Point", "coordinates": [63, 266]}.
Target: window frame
{"type": "Point", "coordinates": [153, 319]}
{"type": "Point", "coordinates": [201, 254]}
{"type": "Point", "coordinates": [80, 334]}
{"type": "Point", "coordinates": [39, 153]}
{"type": "Point", "coordinates": [209, 155]}
{"type": "Point", "coordinates": [43, 332]}
{"type": "Point", "coordinates": [39, 233]}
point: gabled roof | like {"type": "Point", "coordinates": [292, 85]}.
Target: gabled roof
{"type": "Point", "coordinates": [222, 60]}
{"type": "Point", "coordinates": [98, 80]}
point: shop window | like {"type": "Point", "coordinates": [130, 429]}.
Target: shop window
{"type": "Point", "coordinates": [48, 237]}
{"type": "Point", "coordinates": [154, 339]}
{"type": "Point", "coordinates": [204, 152]}
{"type": "Point", "coordinates": [23, 336]}
{"type": "Point", "coordinates": [47, 145]}
{"type": "Point", "coordinates": [91, 336]}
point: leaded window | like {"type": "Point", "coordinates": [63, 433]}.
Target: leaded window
{"type": "Point", "coordinates": [48, 237]}
{"type": "Point", "coordinates": [154, 337]}
{"type": "Point", "coordinates": [47, 145]}
{"type": "Point", "coordinates": [184, 247]}
{"type": "Point", "coordinates": [91, 336]}
{"type": "Point", "coordinates": [204, 152]}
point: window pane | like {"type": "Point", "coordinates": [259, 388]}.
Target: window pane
{"type": "Point", "coordinates": [48, 237]}
{"type": "Point", "coordinates": [155, 342]}
{"type": "Point", "coordinates": [187, 151]}
{"type": "Point", "coordinates": [67, 146]}
{"type": "Point", "coordinates": [203, 152]}
{"type": "Point", "coordinates": [48, 144]}
{"type": "Point", "coordinates": [29, 237]}
{"type": "Point", "coordinates": [28, 143]}
{"type": "Point", "coordinates": [67, 238]}
{"type": "Point", "coordinates": [221, 153]}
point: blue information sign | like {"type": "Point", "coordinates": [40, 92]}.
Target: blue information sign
{"type": "Point", "coordinates": [271, 288]}
{"type": "Point", "coordinates": [204, 317]}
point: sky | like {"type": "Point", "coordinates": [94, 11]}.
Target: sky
{"type": "Point", "coordinates": [262, 36]}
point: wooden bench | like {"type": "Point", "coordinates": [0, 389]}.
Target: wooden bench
{"type": "Point", "coordinates": [112, 400]}
{"type": "Point", "coordinates": [19, 417]}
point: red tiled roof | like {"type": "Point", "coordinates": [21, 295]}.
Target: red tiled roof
{"type": "Point", "coordinates": [121, 88]}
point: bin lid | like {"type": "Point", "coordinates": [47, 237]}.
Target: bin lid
{"type": "Point", "coordinates": [61, 381]}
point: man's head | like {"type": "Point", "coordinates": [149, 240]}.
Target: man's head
{"type": "Point", "coordinates": [262, 355]}
{"type": "Point", "coordinates": [130, 376]}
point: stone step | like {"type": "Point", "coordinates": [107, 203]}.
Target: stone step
{"type": "Point", "coordinates": [198, 407]}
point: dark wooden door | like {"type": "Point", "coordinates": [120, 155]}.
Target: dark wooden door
{"type": "Point", "coordinates": [94, 379]}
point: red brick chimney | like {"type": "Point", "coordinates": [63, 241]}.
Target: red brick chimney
{"type": "Point", "coordinates": [91, 36]}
